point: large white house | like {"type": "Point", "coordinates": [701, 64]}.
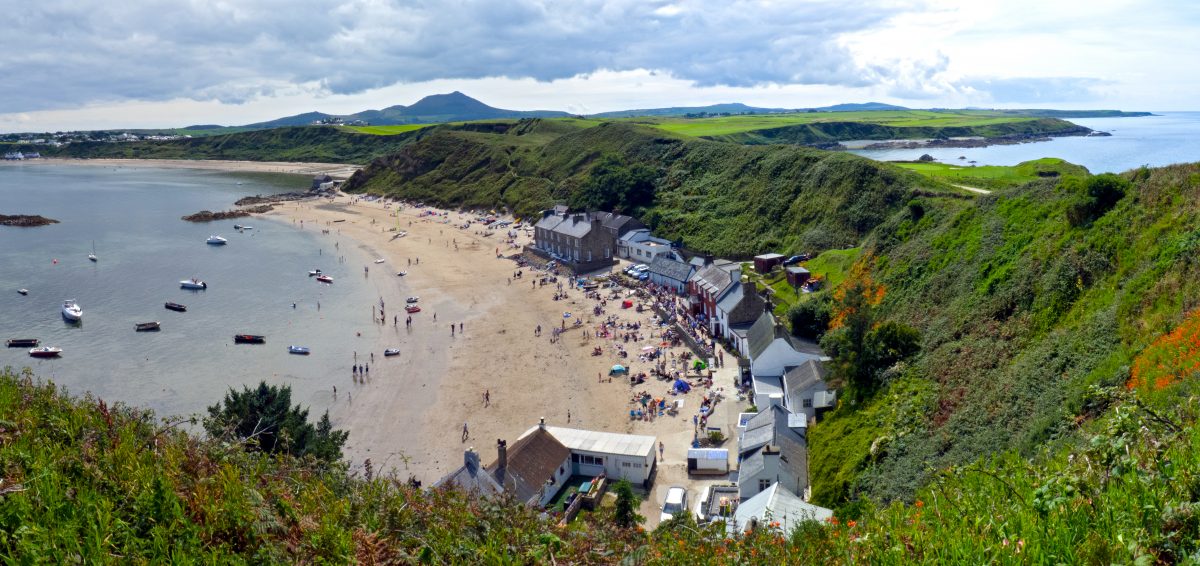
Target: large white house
{"type": "Point", "coordinates": [773, 449]}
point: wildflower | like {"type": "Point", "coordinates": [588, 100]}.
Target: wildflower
{"type": "Point", "coordinates": [851, 524]}
{"type": "Point", "coordinates": [920, 504]}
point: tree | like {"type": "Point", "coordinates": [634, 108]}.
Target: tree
{"type": "Point", "coordinates": [265, 419]}
{"type": "Point", "coordinates": [614, 186]}
{"type": "Point", "coordinates": [1093, 197]}
{"type": "Point", "coordinates": [627, 503]}
{"type": "Point", "coordinates": [810, 319]}
{"type": "Point", "coordinates": [861, 346]}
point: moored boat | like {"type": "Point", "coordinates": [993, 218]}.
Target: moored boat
{"type": "Point", "coordinates": [23, 291]}
{"type": "Point", "coordinates": [314, 272]}
{"type": "Point", "coordinates": [380, 260]}
{"type": "Point", "coordinates": [175, 307]}
{"type": "Point", "coordinates": [215, 240]}
{"type": "Point", "coordinates": [302, 350]}
{"type": "Point", "coordinates": [71, 311]}
{"type": "Point", "coordinates": [22, 342]}
{"type": "Point", "coordinates": [194, 284]}
{"type": "Point", "coordinates": [324, 279]}
{"type": "Point", "coordinates": [237, 226]}
{"type": "Point", "coordinates": [45, 352]}
{"type": "Point", "coordinates": [392, 352]}
{"type": "Point", "coordinates": [249, 339]}
{"type": "Point", "coordinates": [412, 309]}
{"type": "Point", "coordinates": [146, 326]}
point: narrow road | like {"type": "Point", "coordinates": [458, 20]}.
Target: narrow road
{"type": "Point", "coordinates": [973, 189]}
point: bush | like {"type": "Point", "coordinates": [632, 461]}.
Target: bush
{"type": "Point", "coordinates": [264, 419]}
{"type": "Point", "coordinates": [810, 319]}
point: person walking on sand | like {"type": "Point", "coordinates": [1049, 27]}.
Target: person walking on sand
{"type": "Point", "coordinates": [452, 330]}
{"type": "Point", "coordinates": [372, 356]}
{"type": "Point", "coordinates": [660, 450]}
{"type": "Point", "coordinates": [487, 397]}
{"type": "Point", "coordinates": [568, 415]}
{"type": "Point", "coordinates": [460, 328]}
{"type": "Point", "coordinates": [465, 433]}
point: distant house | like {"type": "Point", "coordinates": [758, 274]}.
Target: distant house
{"type": "Point", "coordinates": [671, 273]}
{"type": "Point", "coordinates": [532, 470]}
{"type": "Point", "coordinates": [708, 286]}
{"type": "Point", "coordinates": [736, 313]}
{"type": "Point", "coordinates": [639, 246]}
{"type": "Point", "coordinates": [584, 241]}
{"type": "Point", "coordinates": [773, 448]}
{"type": "Point", "coordinates": [797, 276]}
{"type": "Point", "coordinates": [766, 262]}
{"type": "Point", "coordinates": [776, 504]}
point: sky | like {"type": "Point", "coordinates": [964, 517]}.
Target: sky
{"type": "Point", "coordinates": [90, 64]}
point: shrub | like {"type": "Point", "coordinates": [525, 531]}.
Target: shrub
{"type": "Point", "coordinates": [264, 419]}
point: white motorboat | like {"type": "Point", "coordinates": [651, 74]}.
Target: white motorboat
{"type": "Point", "coordinates": [324, 279]}
{"type": "Point", "coordinates": [45, 352]}
{"type": "Point", "coordinates": [380, 260]}
{"type": "Point", "coordinates": [412, 300]}
{"type": "Point", "coordinates": [216, 241]}
{"type": "Point", "coordinates": [71, 311]}
{"type": "Point", "coordinates": [193, 284]}
{"type": "Point", "coordinates": [402, 274]}
{"type": "Point", "coordinates": [314, 272]}
{"type": "Point", "coordinates": [92, 256]}
{"type": "Point", "coordinates": [23, 291]}
{"type": "Point", "coordinates": [302, 350]}
{"type": "Point", "coordinates": [391, 352]}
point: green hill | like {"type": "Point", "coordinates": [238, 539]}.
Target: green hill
{"type": "Point", "coordinates": [723, 198]}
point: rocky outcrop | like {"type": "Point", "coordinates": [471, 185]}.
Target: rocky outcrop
{"type": "Point", "coordinates": [25, 220]}
{"type": "Point", "coordinates": [209, 216]}
{"type": "Point", "coordinates": [282, 197]}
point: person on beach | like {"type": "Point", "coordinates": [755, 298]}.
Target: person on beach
{"type": "Point", "coordinates": [568, 415]}
{"type": "Point", "coordinates": [660, 450]}
{"type": "Point", "coordinates": [487, 397]}
{"type": "Point", "coordinates": [452, 330]}
{"type": "Point", "coordinates": [335, 392]}
{"type": "Point", "coordinates": [460, 328]}
{"type": "Point", "coordinates": [366, 368]}
{"type": "Point", "coordinates": [372, 356]}
{"type": "Point", "coordinates": [465, 433]}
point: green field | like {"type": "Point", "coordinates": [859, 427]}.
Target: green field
{"type": "Point", "coordinates": [830, 265]}
{"type": "Point", "coordinates": [726, 125]}
{"type": "Point", "coordinates": [385, 130]}
{"type": "Point", "coordinates": [995, 176]}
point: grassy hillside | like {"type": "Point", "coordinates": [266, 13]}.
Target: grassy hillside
{"type": "Point", "coordinates": [995, 176]}
{"type": "Point", "coordinates": [723, 198]}
{"type": "Point", "coordinates": [1024, 299]}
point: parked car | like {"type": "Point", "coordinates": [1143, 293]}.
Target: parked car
{"type": "Point", "coordinates": [675, 503]}
{"type": "Point", "coordinates": [793, 260]}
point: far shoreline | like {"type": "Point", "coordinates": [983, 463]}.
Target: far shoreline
{"type": "Point", "coordinates": [339, 171]}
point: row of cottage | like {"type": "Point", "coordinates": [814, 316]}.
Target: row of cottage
{"type": "Point", "coordinates": [785, 377]}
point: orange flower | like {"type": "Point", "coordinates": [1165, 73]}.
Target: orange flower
{"type": "Point", "coordinates": [851, 524]}
{"type": "Point", "coordinates": [920, 504]}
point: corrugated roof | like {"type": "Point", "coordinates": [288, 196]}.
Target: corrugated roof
{"type": "Point", "coordinates": [606, 442]}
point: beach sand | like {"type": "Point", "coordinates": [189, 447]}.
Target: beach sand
{"type": "Point", "coordinates": [408, 418]}
{"type": "Point", "coordinates": [335, 170]}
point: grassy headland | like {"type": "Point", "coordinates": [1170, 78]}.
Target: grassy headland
{"type": "Point", "coordinates": [995, 176]}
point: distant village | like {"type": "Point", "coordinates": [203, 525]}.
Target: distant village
{"type": "Point", "coordinates": [59, 139]}
{"type": "Point", "coordinates": [710, 303]}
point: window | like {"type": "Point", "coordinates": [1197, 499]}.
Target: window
{"type": "Point", "coordinates": [625, 465]}
{"type": "Point", "coordinates": [764, 484]}
{"type": "Point", "coordinates": [589, 460]}
{"type": "Point", "coordinates": [807, 403]}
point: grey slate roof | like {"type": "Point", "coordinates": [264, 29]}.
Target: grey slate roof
{"type": "Point", "coordinates": [804, 376]}
{"type": "Point", "coordinates": [471, 478]}
{"type": "Point", "coordinates": [670, 269]}
{"type": "Point", "coordinates": [618, 223]}
{"type": "Point", "coordinates": [778, 504]}
{"type": "Point", "coordinates": [770, 426]}
{"type": "Point", "coordinates": [717, 277]}
{"type": "Point", "coordinates": [760, 335]}
{"type": "Point", "coordinates": [697, 262]}
{"type": "Point", "coordinates": [575, 226]}
{"type": "Point", "coordinates": [732, 298]}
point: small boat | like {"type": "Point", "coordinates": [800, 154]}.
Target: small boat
{"type": "Point", "coordinates": [45, 352]}
{"type": "Point", "coordinates": [22, 342]}
{"type": "Point", "coordinates": [175, 307]}
{"type": "Point", "coordinates": [216, 241]}
{"type": "Point", "coordinates": [412, 309]}
{"type": "Point", "coordinates": [23, 291]}
{"type": "Point", "coordinates": [380, 260]}
{"type": "Point", "coordinates": [412, 300]}
{"type": "Point", "coordinates": [237, 226]}
{"type": "Point", "coordinates": [92, 256]}
{"type": "Point", "coordinates": [392, 352]}
{"type": "Point", "coordinates": [301, 350]}
{"type": "Point", "coordinates": [402, 274]}
{"type": "Point", "coordinates": [146, 326]}
{"type": "Point", "coordinates": [247, 227]}
{"type": "Point", "coordinates": [72, 311]}
{"type": "Point", "coordinates": [249, 339]}
{"type": "Point", "coordinates": [324, 279]}
{"type": "Point", "coordinates": [314, 272]}
{"type": "Point", "coordinates": [193, 284]}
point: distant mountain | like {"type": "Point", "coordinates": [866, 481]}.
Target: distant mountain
{"type": "Point", "coordinates": [859, 106]}
{"type": "Point", "coordinates": [438, 108]}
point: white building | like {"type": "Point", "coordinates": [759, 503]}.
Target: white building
{"type": "Point", "coordinates": [773, 449]}
{"type": "Point", "coordinates": [641, 247]}
{"type": "Point", "coordinates": [776, 504]}
{"type": "Point", "coordinates": [773, 352]}
{"type": "Point", "coordinates": [620, 456]}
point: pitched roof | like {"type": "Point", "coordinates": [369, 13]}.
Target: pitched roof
{"type": "Point", "coordinates": [532, 459]}
{"type": "Point", "coordinates": [778, 504]}
{"type": "Point", "coordinates": [770, 426]}
{"type": "Point", "coordinates": [718, 277]}
{"type": "Point", "coordinates": [618, 223]}
{"type": "Point", "coordinates": [740, 306]}
{"type": "Point", "coordinates": [607, 442]}
{"type": "Point", "coordinates": [803, 377]}
{"type": "Point", "coordinates": [471, 478]}
{"type": "Point", "coordinates": [549, 222]}
{"type": "Point", "coordinates": [761, 334]}
{"type": "Point", "coordinates": [573, 225]}
{"type": "Point", "coordinates": [670, 268]}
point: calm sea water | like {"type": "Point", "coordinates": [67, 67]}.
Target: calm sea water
{"type": "Point", "coordinates": [1173, 137]}
{"type": "Point", "coordinates": [133, 215]}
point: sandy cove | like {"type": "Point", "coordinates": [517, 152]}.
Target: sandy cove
{"type": "Point", "coordinates": [409, 415]}
{"type": "Point", "coordinates": [335, 170]}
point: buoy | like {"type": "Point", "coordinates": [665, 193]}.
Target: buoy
{"type": "Point", "coordinates": [55, 261]}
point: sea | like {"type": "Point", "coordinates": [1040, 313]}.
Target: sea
{"type": "Point", "coordinates": [1161, 139]}
{"type": "Point", "coordinates": [257, 284]}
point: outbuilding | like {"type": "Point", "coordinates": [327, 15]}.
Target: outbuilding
{"type": "Point", "coordinates": [766, 262]}
{"type": "Point", "coordinates": [708, 461]}
{"type": "Point", "coordinates": [619, 456]}
{"type": "Point", "coordinates": [797, 276]}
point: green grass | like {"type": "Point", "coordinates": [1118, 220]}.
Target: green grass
{"type": "Point", "coordinates": [385, 130]}
{"type": "Point", "coordinates": [830, 265]}
{"type": "Point", "coordinates": [726, 125]}
{"type": "Point", "coordinates": [994, 176]}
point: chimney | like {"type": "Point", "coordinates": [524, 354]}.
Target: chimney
{"type": "Point", "coordinates": [501, 454]}
{"type": "Point", "coordinates": [708, 259]}
{"type": "Point", "coordinates": [770, 450]}
{"type": "Point", "coordinates": [471, 458]}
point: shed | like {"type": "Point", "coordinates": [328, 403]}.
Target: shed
{"type": "Point", "coordinates": [620, 456]}
{"type": "Point", "coordinates": [766, 262]}
{"type": "Point", "coordinates": [797, 276]}
{"type": "Point", "coordinates": [708, 461]}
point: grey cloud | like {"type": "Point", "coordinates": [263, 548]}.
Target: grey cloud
{"type": "Point", "coordinates": [1036, 89]}
{"type": "Point", "coordinates": [65, 53]}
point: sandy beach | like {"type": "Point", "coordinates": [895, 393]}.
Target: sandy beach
{"type": "Point", "coordinates": [409, 415]}
{"type": "Point", "coordinates": [335, 170]}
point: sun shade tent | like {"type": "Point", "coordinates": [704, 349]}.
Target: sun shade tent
{"type": "Point", "coordinates": [617, 369]}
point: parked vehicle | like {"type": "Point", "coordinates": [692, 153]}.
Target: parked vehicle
{"type": "Point", "coordinates": [675, 503]}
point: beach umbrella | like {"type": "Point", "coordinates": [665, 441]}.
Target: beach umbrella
{"type": "Point", "coordinates": [618, 368]}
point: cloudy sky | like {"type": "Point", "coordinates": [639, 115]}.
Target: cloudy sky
{"type": "Point", "coordinates": [88, 64]}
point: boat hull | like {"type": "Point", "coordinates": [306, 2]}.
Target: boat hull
{"type": "Point", "coordinates": [193, 285]}
{"type": "Point", "coordinates": [249, 339]}
{"type": "Point", "coordinates": [45, 352]}
{"type": "Point", "coordinates": [147, 327]}
{"type": "Point", "coordinates": [175, 307]}
{"type": "Point", "coordinates": [23, 343]}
